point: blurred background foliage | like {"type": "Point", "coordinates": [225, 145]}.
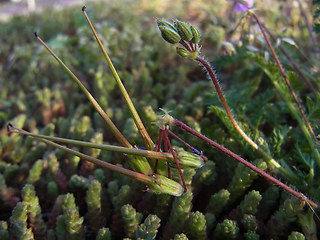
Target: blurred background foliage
{"type": "Point", "coordinates": [43, 189]}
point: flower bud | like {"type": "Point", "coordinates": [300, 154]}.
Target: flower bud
{"type": "Point", "coordinates": [164, 185]}
{"type": "Point", "coordinates": [169, 34]}
{"type": "Point", "coordinates": [189, 160]}
{"type": "Point", "coordinates": [164, 23]}
{"type": "Point", "coordinates": [183, 30]}
{"type": "Point", "coordinates": [229, 48]}
{"type": "Point", "coordinates": [196, 34]}
{"type": "Point", "coordinates": [182, 52]}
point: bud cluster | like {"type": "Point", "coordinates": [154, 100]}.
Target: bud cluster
{"type": "Point", "coordinates": [181, 32]}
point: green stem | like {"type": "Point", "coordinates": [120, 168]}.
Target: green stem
{"type": "Point", "coordinates": [135, 175]}
{"type": "Point", "coordinates": [122, 140]}
{"type": "Point", "coordinates": [156, 183]}
{"type": "Point", "coordinates": [130, 151]}
{"type": "Point", "coordinates": [146, 138]}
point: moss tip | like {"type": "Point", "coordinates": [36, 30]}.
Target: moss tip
{"type": "Point", "coordinates": [35, 34]}
{"type": "Point", "coordinates": [84, 8]}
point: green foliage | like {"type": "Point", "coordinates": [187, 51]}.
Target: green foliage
{"type": "Point", "coordinates": [149, 228]}
{"type": "Point", "coordinates": [104, 234]}
{"type": "Point", "coordinates": [34, 211]}
{"type": "Point", "coordinates": [18, 224]}
{"type": "Point", "coordinates": [197, 226]}
{"type": "Point", "coordinates": [71, 218]}
{"type": "Point", "coordinates": [72, 200]}
{"type": "Point", "coordinates": [228, 229]}
{"type": "Point", "coordinates": [131, 219]}
{"type": "Point", "coordinates": [4, 234]}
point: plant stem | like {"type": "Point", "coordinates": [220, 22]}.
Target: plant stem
{"type": "Point", "coordinates": [188, 145]}
{"type": "Point", "coordinates": [244, 162]}
{"type": "Point", "coordinates": [138, 176]}
{"type": "Point", "coordinates": [146, 138]}
{"type": "Point", "coordinates": [137, 163]}
{"type": "Point", "coordinates": [158, 150]}
{"type": "Point", "coordinates": [121, 139]}
{"type": "Point", "coordinates": [309, 27]}
{"type": "Point", "coordinates": [290, 59]}
{"type": "Point", "coordinates": [130, 151]}
{"type": "Point", "coordinates": [267, 157]}
{"type": "Point", "coordinates": [165, 135]}
{"type": "Point", "coordinates": [157, 184]}
{"type": "Point", "coordinates": [283, 74]}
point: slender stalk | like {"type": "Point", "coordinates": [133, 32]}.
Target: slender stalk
{"type": "Point", "coordinates": [188, 145]}
{"type": "Point", "coordinates": [244, 162]}
{"type": "Point", "coordinates": [130, 151]}
{"type": "Point", "coordinates": [267, 157]}
{"type": "Point", "coordinates": [124, 171]}
{"type": "Point", "coordinates": [309, 27]}
{"type": "Point", "coordinates": [139, 164]}
{"type": "Point", "coordinates": [156, 183]}
{"type": "Point", "coordinates": [290, 59]}
{"type": "Point", "coordinates": [165, 135]}
{"type": "Point", "coordinates": [122, 140]}
{"type": "Point", "coordinates": [165, 143]}
{"type": "Point", "coordinates": [146, 138]}
{"type": "Point", "coordinates": [158, 149]}
{"type": "Point", "coordinates": [283, 74]}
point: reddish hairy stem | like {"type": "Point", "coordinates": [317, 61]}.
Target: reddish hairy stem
{"type": "Point", "coordinates": [188, 146]}
{"type": "Point", "coordinates": [175, 159]}
{"type": "Point", "coordinates": [244, 162]}
{"type": "Point", "coordinates": [158, 150]}
{"type": "Point", "coordinates": [283, 74]}
{"type": "Point", "coordinates": [290, 59]}
{"type": "Point", "coordinates": [224, 102]}
{"type": "Point", "coordinates": [166, 150]}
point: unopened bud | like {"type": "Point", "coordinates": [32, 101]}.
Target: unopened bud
{"type": "Point", "coordinates": [183, 30]}
{"type": "Point", "coordinates": [229, 48]}
{"type": "Point", "coordinates": [182, 52]}
{"type": "Point", "coordinates": [186, 54]}
{"type": "Point", "coordinates": [195, 34]}
{"type": "Point", "coordinates": [169, 34]}
{"type": "Point", "coordinates": [164, 23]}
{"type": "Point", "coordinates": [164, 185]}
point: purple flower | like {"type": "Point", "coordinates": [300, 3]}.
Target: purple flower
{"type": "Point", "coordinates": [242, 5]}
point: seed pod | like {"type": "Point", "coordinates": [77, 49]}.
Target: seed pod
{"type": "Point", "coordinates": [169, 34]}
{"type": "Point", "coordinates": [183, 30]}
{"type": "Point", "coordinates": [182, 52]}
{"type": "Point", "coordinates": [163, 185]}
{"type": "Point", "coordinates": [196, 34]}
{"type": "Point", "coordinates": [189, 160]}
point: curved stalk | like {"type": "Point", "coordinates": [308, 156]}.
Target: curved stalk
{"type": "Point", "coordinates": [266, 156]}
